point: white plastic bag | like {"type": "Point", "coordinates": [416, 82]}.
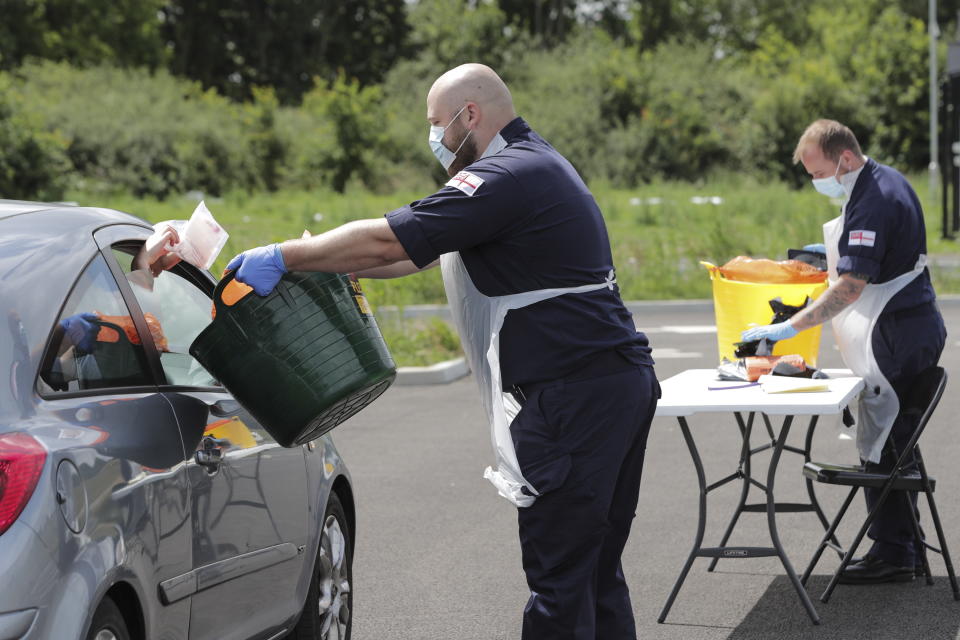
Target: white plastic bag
{"type": "Point", "coordinates": [201, 237]}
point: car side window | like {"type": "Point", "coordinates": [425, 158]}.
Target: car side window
{"type": "Point", "coordinates": [95, 344]}
{"type": "Point", "coordinates": [176, 311]}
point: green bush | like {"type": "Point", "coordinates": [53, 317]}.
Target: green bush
{"type": "Point", "coordinates": [351, 120]}
{"type": "Point", "coordinates": [151, 134]}
{"type": "Point", "coordinates": [33, 161]}
{"type": "Point", "coordinates": [865, 64]}
{"type": "Point", "coordinates": [630, 117]}
{"type": "Point", "coordinates": [624, 110]}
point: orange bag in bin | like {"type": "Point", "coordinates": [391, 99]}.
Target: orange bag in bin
{"type": "Point", "coordinates": [768, 271]}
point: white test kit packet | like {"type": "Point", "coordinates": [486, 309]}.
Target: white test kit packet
{"type": "Point", "coordinates": [201, 237]}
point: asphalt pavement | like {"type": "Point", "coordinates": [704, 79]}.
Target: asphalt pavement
{"type": "Point", "coordinates": [437, 555]}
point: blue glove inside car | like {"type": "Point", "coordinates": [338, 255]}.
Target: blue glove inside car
{"type": "Point", "coordinates": [81, 331]}
{"type": "Point", "coordinates": [772, 332]}
{"type": "Point", "coordinates": [261, 268]}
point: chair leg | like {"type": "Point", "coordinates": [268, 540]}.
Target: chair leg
{"type": "Point", "coordinates": [935, 516]}
{"type": "Point", "coordinates": [825, 597]}
{"type": "Point", "coordinates": [828, 536]}
{"type": "Point", "coordinates": [919, 543]}
{"type": "Point", "coordinates": [807, 447]}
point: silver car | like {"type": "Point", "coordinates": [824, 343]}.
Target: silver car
{"type": "Point", "coordinates": [138, 500]}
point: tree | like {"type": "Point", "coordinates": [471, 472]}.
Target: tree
{"type": "Point", "coordinates": [82, 32]}
{"type": "Point", "coordinates": [234, 45]}
{"type": "Point", "coordinates": [548, 21]}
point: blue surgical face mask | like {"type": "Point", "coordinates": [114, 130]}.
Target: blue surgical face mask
{"type": "Point", "coordinates": [444, 155]}
{"type": "Point", "coordinates": [830, 187]}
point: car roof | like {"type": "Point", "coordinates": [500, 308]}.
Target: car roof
{"type": "Point", "coordinates": [69, 217]}
{"type": "Point", "coordinates": [13, 207]}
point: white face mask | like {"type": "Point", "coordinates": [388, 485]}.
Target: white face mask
{"type": "Point", "coordinates": [444, 155]}
{"type": "Point", "coordinates": [830, 187]}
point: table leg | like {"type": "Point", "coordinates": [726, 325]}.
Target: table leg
{"type": "Point", "coordinates": [745, 429]}
{"type": "Point", "coordinates": [701, 524]}
{"type": "Point", "coordinates": [770, 507]}
{"type": "Point", "coordinates": [772, 521]}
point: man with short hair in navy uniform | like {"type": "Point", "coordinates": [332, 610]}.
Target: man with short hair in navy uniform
{"type": "Point", "coordinates": [566, 380]}
{"type": "Point", "coordinates": [884, 315]}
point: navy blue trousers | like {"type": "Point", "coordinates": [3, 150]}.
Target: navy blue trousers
{"type": "Point", "coordinates": [904, 344]}
{"type": "Point", "coordinates": [581, 444]}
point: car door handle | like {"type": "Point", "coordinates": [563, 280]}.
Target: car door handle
{"type": "Point", "coordinates": [211, 453]}
{"type": "Point", "coordinates": [224, 408]}
{"type": "Point", "coordinates": [210, 458]}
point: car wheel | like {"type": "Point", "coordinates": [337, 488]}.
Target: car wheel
{"type": "Point", "coordinates": [108, 623]}
{"type": "Point", "coordinates": [327, 613]}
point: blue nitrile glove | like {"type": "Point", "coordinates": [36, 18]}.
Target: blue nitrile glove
{"type": "Point", "coordinates": [816, 248]}
{"type": "Point", "coordinates": [772, 332]}
{"type": "Point", "coordinates": [81, 331]}
{"type": "Point", "coordinates": [261, 268]}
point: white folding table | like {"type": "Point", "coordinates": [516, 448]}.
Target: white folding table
{"type": "Point", "coordinates": [698, 391]}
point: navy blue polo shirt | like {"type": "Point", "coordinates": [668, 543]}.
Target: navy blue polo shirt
{"type": "Point", "coordinates": [522, 220]}
{"type": "Point", "coordinates": [884, 234]}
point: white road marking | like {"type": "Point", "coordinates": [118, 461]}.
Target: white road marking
{"type": "Point", "coordinates": [682, 329]}
{"type": "Point", "coordinates": [666, 353]}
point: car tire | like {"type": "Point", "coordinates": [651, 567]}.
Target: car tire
{"type": "Point", "coordinates": [108, 623]}
{"type": "Point", "coordinates": [327, 614]}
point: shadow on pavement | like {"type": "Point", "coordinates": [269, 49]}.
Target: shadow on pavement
{"type": "Point", "coordinates": [877, 612]}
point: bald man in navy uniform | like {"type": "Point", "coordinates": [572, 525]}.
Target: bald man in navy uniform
{"type": "Point", "coordinates": [527, 234]}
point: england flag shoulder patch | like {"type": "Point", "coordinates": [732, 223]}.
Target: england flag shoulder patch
{"type": "Point", "coordinates": [863, 238]}
{"type": "Point", "coordinates": [466, 182]}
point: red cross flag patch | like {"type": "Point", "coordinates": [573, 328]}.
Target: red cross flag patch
{"type": "Point", "coordinates": [862, 238]}
{"type": "Point", "coordinates": [466, 182]}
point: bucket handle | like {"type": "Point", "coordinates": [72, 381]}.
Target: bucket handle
{"type": "Point", "coordinates": [714, 270]}
{"type": "Point", "coordinates": [228, 278]}
{"type": "Point", "coordinates": [220, 306]}
{"type": "Point", "coordinates": [122, 335]}
{"type": "Point", "coordinates": [231, 277]}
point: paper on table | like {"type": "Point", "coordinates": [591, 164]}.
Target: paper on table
{"type": "Point", "coordinates": [785, 384]}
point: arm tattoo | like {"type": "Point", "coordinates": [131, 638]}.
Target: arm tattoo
{"type": "Point", "coordinates": [838, 297]}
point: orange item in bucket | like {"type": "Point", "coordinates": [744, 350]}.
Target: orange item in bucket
{"type": "Point", "coordinates": [767, 271]}
{"type": "Point", "coordinates": [762, 365]}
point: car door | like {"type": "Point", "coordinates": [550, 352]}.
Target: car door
{"type": "Point", "coordinates": [99, 411]}
{"type": "Point", "coordinates": [248, 494]}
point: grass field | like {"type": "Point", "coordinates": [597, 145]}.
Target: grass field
{"type": "Point", "coordinates": [659, 232]}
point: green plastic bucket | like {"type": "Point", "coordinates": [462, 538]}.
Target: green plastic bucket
{"type": "Point", "coordinates": [302, 359]}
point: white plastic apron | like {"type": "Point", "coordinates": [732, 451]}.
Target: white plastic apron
{"type": "Point", "coordinates": [478, 319]}
{"type": "Point", "coordinates": [852, 330]}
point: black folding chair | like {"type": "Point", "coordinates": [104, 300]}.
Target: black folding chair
{"type": "Point", "coordinates": [908, 474]}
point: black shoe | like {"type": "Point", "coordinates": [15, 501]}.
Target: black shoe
{"type": "Point", "coordinates": [870, 559]}
{"type": "Point", "coordinates": [872, 570]}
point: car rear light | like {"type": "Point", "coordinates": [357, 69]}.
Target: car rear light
{"type": "Point", "coordinates": [21, 463]}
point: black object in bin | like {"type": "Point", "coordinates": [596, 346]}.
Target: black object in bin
{"type": "Point", "coordinates": [813, 258]}
{"type": "Point", "coordinates": [301, 360]}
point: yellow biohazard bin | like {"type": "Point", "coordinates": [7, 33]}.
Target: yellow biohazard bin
{"type": "Point", "coordinates": [740, 305]}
